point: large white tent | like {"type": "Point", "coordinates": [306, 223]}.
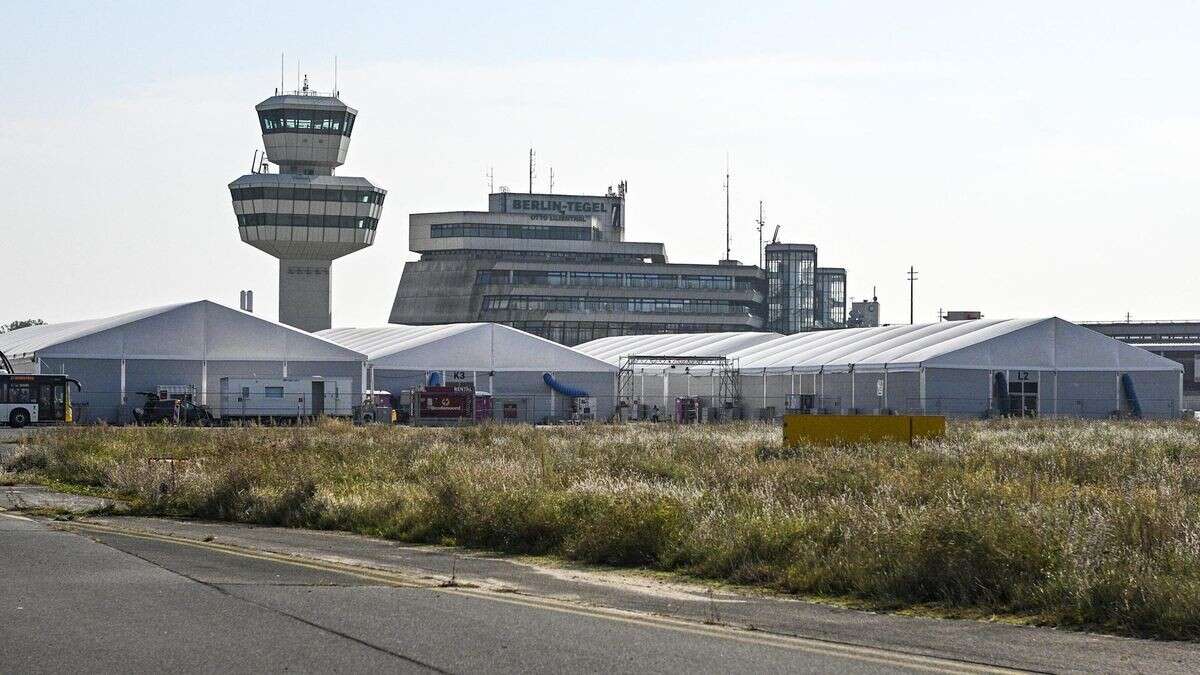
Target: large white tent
{"type": "Point", "coordinates": [190, 344]}
{"type": "Point", "coordinates": [506, 362]}
{"type": "Point", "coordinates": [612, 349]}
{"type": "Point", "coordinates": [1042, 366]}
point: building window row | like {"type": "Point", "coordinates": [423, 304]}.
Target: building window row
{"type": "Point", "coordinates": [306, 121]}
{"type": "Point", "coordinates": [550, 303]}
{"type": "Point", "coordinates": [527, 256]}
{"type": "Point", "coordinates": [577, 332]}
{"type": "Point", "coordinates": [512, 231]}
{"type": "Point", "coordinates": [612, 280]}
{"type": "Point", "coordinates": [308, 194]}
{"type": "Point", "coordinates": [302, 220]}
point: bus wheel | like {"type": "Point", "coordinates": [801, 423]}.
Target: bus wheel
{"type": "Point", "coordinates": [18, 418]}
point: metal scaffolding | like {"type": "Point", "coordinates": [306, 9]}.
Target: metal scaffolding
{"type": "Point", "coordinates": [726, 392]}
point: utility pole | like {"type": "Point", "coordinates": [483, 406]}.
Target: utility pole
{"type": "Point", "coordinates": [727, 255]}
{"type": "Point", "coordinates": [761, 224]}
{"type": "Point", "coordinates": [531, 164]}
{"type": "Point", "coordinates": [912, 279]}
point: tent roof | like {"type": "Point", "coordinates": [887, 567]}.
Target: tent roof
{"type": "Point", "coordinates": [1030, 344]}
{"type": "Point", "coordinates": [462, 346]}
{"type": "Point", "coordinates": [611, 349]}
{"type": "Point", "coordinates": [197, 330]}
{"type": "Point", "coordinates": [1034, 344]}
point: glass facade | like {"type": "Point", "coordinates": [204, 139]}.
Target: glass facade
{"type": "Point", "coordinates": [333, 122]}
{"type": "Point", "coordinates": [554, 303]}
{"type": "Point", "coordinates": [528, 255]}
{"type": "Point", "coordinates": [831, 298]}
{"type": "Point", "coordinates": [791, 288]}
{"type": "Point", "coordinates": [613, 280]}
{"type": "Point", "coordinates": [307, 193]}
{"type": "Point", "coordinates": [577, 332]}
{"type": "Point", "coordinates": [512, 231]}
{"type": "Point", "coordinates": [306, 220]}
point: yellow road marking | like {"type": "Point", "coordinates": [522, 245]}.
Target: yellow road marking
{"type": "Point", "coordinates": [15, 516]}
{"type": "Point", "coordinates": [396, 579]}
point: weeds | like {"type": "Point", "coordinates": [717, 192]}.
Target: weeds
{"type": "Point", "coordinates": [1074, 523]}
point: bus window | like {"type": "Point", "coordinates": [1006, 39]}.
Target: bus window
{"type": "Point", "coordinates": [20, 392]}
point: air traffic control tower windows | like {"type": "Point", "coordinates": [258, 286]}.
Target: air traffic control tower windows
{"type": "Point", "coordinates": [283, 120]}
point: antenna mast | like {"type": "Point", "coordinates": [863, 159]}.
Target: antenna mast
{"type": "Point", "coordinates": [491, 176]}
{"type": "Point", "coordinates": [912, 279]}
{"type": "Point", "coordinates": [727, 255]}
{"type": "Point", "coordinates": [335, 89]}
{"type": "Point", "coordinates": [280, 73]}
{"type": "Point", "coordinates": [761, 224]}
{"type": "Point", "coordinates": [532, 155]}
{"type": "Point", "coordinates": [551, 180]}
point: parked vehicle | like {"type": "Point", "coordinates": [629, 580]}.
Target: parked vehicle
{"type": "Point", "coordinates": [34, 399]}
{"type": "Point", "coordinates": [173, 411]}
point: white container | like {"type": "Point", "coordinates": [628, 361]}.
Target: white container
{"type": "Point", "coordinates": [285, 397]}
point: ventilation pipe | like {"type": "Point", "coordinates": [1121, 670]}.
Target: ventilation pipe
{"type": "Point", "coordinates": [568, 391]}
{"type": "Point", "coordinates": [1130, 394]}
{"type": "Point", "coordinates": [1001, 393]}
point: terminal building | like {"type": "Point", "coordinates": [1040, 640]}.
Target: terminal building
{"type": "Point", "coordinates": [304, 215]}
{"type": "Point", "coordinates": [559, 266]}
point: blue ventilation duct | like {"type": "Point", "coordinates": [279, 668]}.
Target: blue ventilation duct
{"type": "Point", "coordinates": [561, 388]}
{"type": "Point", "coordinates": [1131, 396]}
{"type": "Point", "coordinates": [435, 379]}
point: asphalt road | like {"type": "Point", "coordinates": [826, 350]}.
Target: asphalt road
{"type": "Point", "coordinates": [110, 602]}
{"type": "Point", "coordinates": [124, 594]}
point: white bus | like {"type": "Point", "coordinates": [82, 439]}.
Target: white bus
{"type": "Point", "coordinates": [35, 399]}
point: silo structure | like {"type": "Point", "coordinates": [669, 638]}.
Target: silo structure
{"type": "Point", "coordinates": [303, 214]}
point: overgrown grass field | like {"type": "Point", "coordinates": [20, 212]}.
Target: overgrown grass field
{"type": "Point", "coordinates": [1093, 524]}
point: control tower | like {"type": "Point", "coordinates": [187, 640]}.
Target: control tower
{"type": "Point", "coordinates": [304, 215]}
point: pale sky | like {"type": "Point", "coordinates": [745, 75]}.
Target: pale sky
{"type": "Point", "coordinates": [1029, 158]}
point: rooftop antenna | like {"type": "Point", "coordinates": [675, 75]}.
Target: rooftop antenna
{"type": "Point", "coordinates": [727, 256]}
{"type": "Point", "coordinates": [491, 176]}
{"type": "Point", "coordinates": [532, 158]}
{"type": "Point", "coordinates": [551, 179]}
{"type": "Point", "coordinates": [335, 89]}
{"type": "Point", "coordinates": [761, 224]}
{"type": "Point", "coordinates": [280, 73]}
{"type": "Point", "coordinates": [775, 237]}
{"type": "Point", "coordinates": [297, 76]}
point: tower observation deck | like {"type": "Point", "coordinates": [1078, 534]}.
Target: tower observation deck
{"type": "Point", "coordinates": [304, 215]}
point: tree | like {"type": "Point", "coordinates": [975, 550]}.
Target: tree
{"type": "Point", "coordinates": [20, 323]}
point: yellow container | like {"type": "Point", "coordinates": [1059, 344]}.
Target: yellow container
{"type": "Point", "coordinates": [830, 429]}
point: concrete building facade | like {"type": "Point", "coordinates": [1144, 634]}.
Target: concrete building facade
{"type": "Point", "coordinates": [304, 215]}
{"type": "Point", "coordinates": [558, 266]}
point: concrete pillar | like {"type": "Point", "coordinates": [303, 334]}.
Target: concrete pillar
{"type": "Point", "coordinates": [305, 294]}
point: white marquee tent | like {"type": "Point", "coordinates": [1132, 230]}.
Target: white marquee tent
{"type": "Point", "coordinates": [1042, 366]}
{"type": "Point", "coordinates": [187, 344]}
{"type": "Point", "coordinates": [506, 362]}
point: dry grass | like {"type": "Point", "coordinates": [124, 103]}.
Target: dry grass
{"type": "Point", "coordinates": [1074, 523]}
